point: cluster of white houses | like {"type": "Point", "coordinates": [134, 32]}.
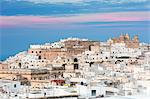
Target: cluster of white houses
{"type": "Point", "coordinates": [80, 68]}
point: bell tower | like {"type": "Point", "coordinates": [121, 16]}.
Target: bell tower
{"type": "Point", "coordinates": [127, 37]}
{"type": "Point", "coordinates": [121, 38]}
{"type": "Point", "coordinates": [136, 39]}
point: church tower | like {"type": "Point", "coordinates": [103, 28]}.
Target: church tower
{"type": "Point", "coordinates": [121, 39]}
{"type": "Point", "coordinates": [127, 38]}
{"type": "Point", "coordinates": [136, 39]}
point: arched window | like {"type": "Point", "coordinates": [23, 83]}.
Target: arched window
{"type": "Point", "coordinates": [19, 65]}
{"type": "Point", "coordinates": [39, 57]}
{"type": "Point", "coordinates": [75, 60]}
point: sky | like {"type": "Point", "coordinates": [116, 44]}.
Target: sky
{"type": "Point", "coordinates": [25, 22]}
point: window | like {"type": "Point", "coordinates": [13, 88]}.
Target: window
{"type": "Point", "coordinates": [44, 94]}
{"type": "Point", "coordinates": [76, 66]}
{"type": "Point", "coordinates": [39, 51]}
{"type": "Point", "coordinates": [90, 48]}
{"type": "Point", "coordinates": [90, 64]}
{"type": "Point", "coordinates": [19, 65]}
{"type": "Point", "coordinates": [15, 86]}
{"type": "Point", "coordinates": [40, 78]}
{"type": "Point", "coordinates": [32, 52]}
{"type": "Point", "coordinates": [93, 92]}
{"type": "Point", "coordinates": [75, 60]}
{"type": "Point", "coordinates": [82, 83]}
{"type": "Point", "coordinates": [39, 57]}
{"type": "Point", "coordinates": [63, 65]}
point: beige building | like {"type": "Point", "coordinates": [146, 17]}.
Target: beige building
{"type": "Point", "coordinates": [24, 75]}
{"type": "Point", "coordinates": [3, 66]}
{"type": "Point", "coordinates": [70, 48]}
{"type": "Point", "coordinates": [127, 40]}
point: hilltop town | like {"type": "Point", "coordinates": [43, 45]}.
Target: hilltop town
{"type": "Point", "coordinates": [78, 68]}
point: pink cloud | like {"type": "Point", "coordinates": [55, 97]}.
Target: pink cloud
{"type": "Point", "coordinates": [10, 21]}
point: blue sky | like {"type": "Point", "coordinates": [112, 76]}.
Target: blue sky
{"type": "Point", "coordinates": [67, 7]}
{"type": "Point", "coordinates": [25, 22]}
